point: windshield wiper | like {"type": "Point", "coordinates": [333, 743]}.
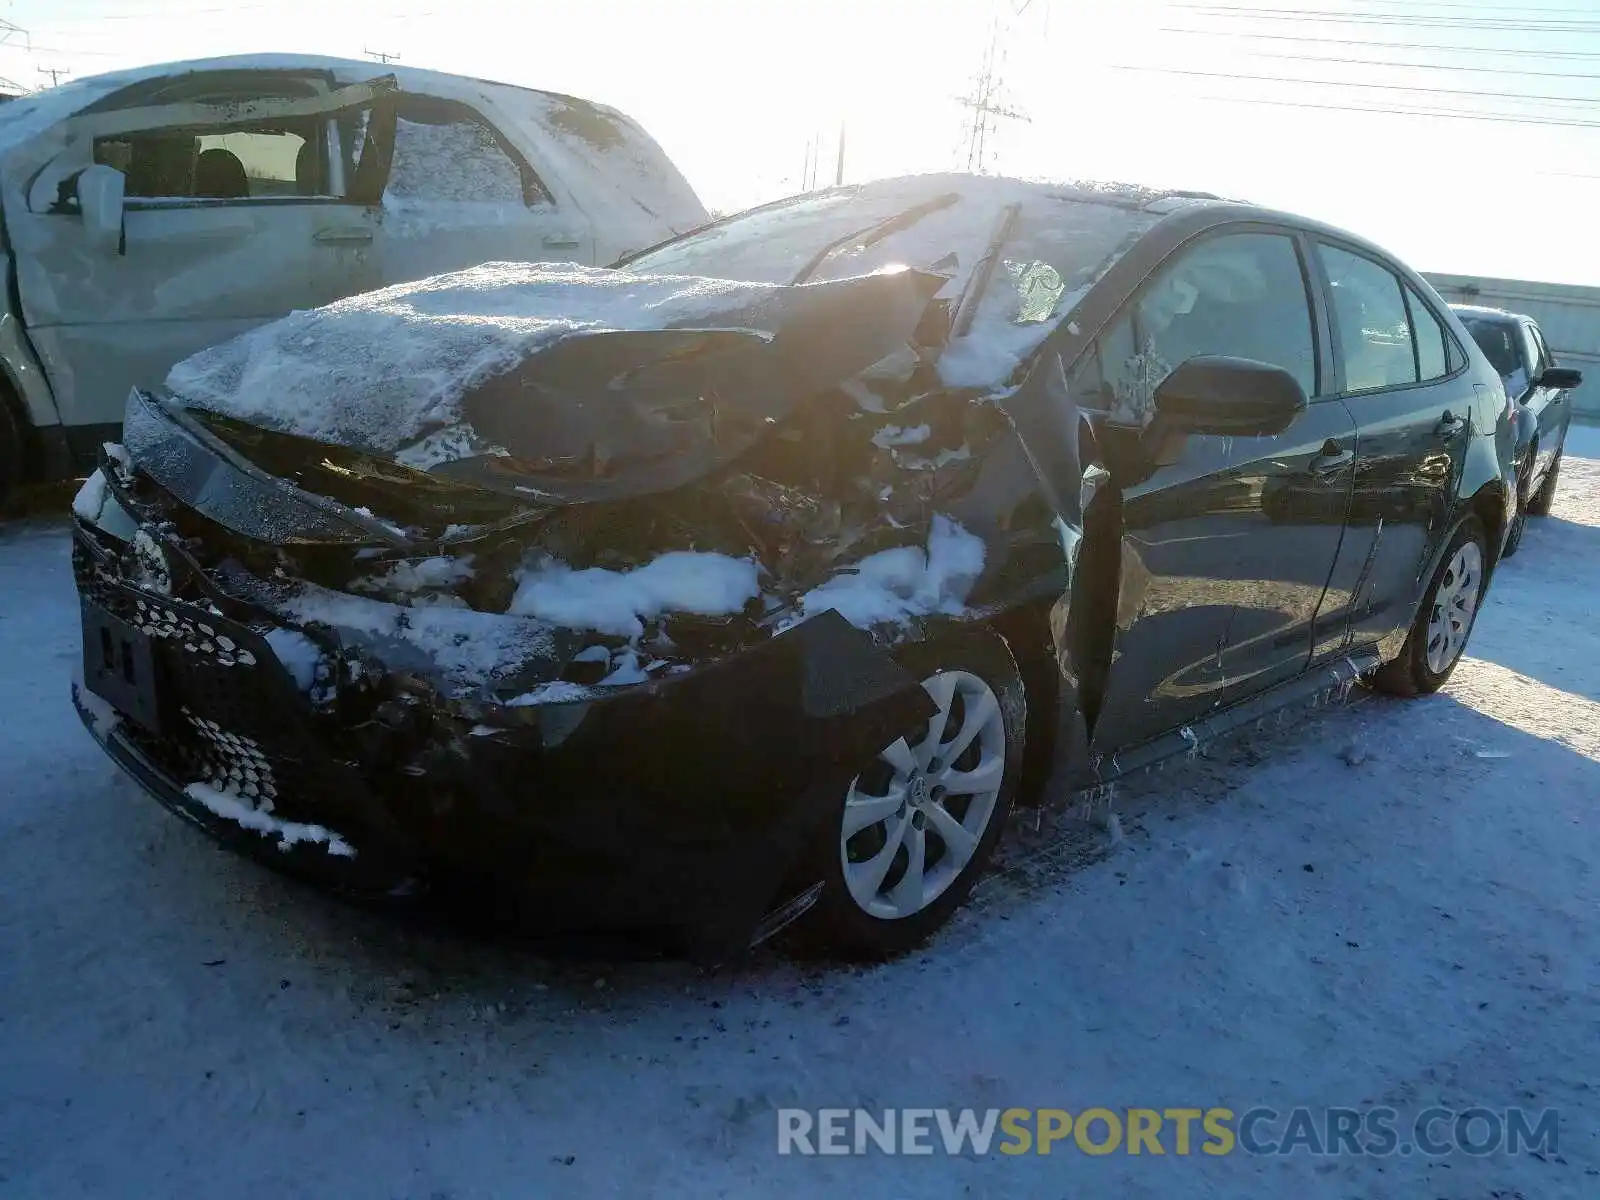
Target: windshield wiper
{"type": "Point", "coordinates": [873, 234]}
{"type": "Point", "coordinates": [967, 305]}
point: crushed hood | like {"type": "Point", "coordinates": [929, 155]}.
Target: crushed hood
{"type": "Point", "coordinates": [556, 383]}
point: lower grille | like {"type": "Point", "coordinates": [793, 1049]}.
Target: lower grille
{"type": "Point", "coordinates": [230, 717]}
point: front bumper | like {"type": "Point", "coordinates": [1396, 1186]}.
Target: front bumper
{"type": "Point", "coordinates": [683, 805]}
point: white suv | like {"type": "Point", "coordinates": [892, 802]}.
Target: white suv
{"type": "Point", "coordinates": [153, 212]}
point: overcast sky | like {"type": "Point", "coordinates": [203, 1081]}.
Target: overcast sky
{"type": "Point", "coordinates": [1138, 90]}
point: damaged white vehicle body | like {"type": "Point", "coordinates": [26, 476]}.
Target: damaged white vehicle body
{"type": "Point", "coordinates": [152, 212]}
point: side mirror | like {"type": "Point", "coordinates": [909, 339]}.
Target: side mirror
{"type": "Point", "coordinates": [100, 195]}
{"type": "Point", "coordinates": [1560, 377]}
{"type": "Point", "coordinates": [1214, 394]}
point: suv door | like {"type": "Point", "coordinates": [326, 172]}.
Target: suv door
{"type": "Point", "coordinates": [461, 193]}
{"type": "Point", "coordinates": [234, 212]}
{"type": "Point", "coordinates": [1402, 377]}
{"type": "Point", "coordinates": [1199, 551]}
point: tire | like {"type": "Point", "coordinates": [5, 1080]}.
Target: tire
{"type": "Point", "coordinates": [1519, 519]}
{"type": "Point", "coordinates": [1434, 647]}
{"type": "Point", "coordinates": [10, 453]}
{"type": "Point", "coordinates": [1540, 503]}
{"type": "Point", "coordinates": [865, 911]}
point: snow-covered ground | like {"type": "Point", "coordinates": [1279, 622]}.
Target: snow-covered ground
{"type": "Point", "coordinates": [1377, 903]}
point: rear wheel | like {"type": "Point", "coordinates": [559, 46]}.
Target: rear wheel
{"type": "Point", "coordinates": [1540, 502]}
{"type": "Point", "coordinates": [1444, 622]}
{"type": "Point", "coordinates": [914, 830]}
{"type": "Point", "coordinates": [10, 453]}
{"type": "Point", "coordinates": [1519, 519]}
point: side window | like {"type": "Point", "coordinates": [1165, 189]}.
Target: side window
{"type": "Point", "coordinates": [1433, 358]}
{"type": "Point", "coordinates": [299, 158]}
{"type": "Point", "coordinates": [1237, 294]}
{"type": "Point", "coordinates": [444, 151]}
{"type": "Point", "coordinates": [1373, 327]}
{"type": "Point", "coordinates": [1538, 355]}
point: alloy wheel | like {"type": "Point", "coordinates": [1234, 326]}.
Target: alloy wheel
{"type": "Point", "coordinates": [1455, 604]}
{"type": "Point", "coordinates": [913, 821]}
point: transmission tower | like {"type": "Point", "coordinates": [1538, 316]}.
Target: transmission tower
{"type": "Point", "coordinates": [987, 101]}
{"type": "Point", "coordinates": [55, 73]}
{"type": "Point", "coordinates": [382, 56]}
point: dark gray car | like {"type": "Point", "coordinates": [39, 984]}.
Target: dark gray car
{"type": "Point", "coordinates": [758, 573]}
{"type": "Point", "coordinates": [1541, 390]}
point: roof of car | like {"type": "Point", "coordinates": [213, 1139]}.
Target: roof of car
{"type": "Point", "coordinates": [28, 115]}
{"type": "Point", "coordinates": [1484, 312]}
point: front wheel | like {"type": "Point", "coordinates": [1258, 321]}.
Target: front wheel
{"type": "Point", "coordinates": [915, 829]}
{"type": "Point", "coordinates": [1444, 622]}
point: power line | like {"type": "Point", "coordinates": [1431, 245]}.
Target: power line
{"type": "Point", "coordinates": [1416, 20]}
{"type": "Point", "coordinates": [157, 15]}
{"type": "Point", "coordinates": [1383, 87]}
{"type": "Point", "coordinates": [1416, 66]}
{"type": "Point", "coordinates": [35, 48]}
{"type": "Point", "coordinates": [1501, 118]}
{"type": "Point", "coordinates": [1478, 8]}
{"type": "Point", "coordinates": [1370, 44]}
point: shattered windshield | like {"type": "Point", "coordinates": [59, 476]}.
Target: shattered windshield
{"type": "Point", "coordinates": [1056, 246]}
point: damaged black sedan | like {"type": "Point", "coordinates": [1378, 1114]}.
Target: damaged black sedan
{"type": "Point", "coordinates": [758, 577]}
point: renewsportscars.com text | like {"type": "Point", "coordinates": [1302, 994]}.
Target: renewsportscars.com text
{"type": "Point", "coordinates": [1374, 1131]}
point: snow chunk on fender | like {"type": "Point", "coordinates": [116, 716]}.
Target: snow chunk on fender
{"type": "Point", "coordinates": [619, 602]}
{"type": "Point", "coordinates": [91, 498]}
{"type": "Point", "coordinates": [464, 649]}
{"type": "Point", "coordinates": [298, 654]}
{"type": "Point", "coordinates": [891, 586]}
{"type": "Point", "coordinates": [287, 833]}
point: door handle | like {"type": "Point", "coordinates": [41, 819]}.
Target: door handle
{"type": "Point", "coordinates": [562, 241]}
{"type": "Point", "coordinates": [349, 237]}
{"type": "Point", "coordinates": [1448, 422]}
{"type": "Point", "coordinates": [1332, 458]}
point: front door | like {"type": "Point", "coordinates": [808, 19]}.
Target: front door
{"type": "Point", "coordinates": [1549, 406]}
{"type": "Point", "coordinates": [1215, 597]}
{"type": "Point", "coordinates": [234, 214]}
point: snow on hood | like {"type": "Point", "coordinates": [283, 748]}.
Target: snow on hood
{"type": "Point", "coordinates": [380, 370]}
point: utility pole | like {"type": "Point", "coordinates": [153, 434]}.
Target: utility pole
{"type": "Point", "coordinates": [55, 73]}
{"type": "Point", "coordinates": [986, 103]}
{"type": "Point", "coordinates": [838, 171]}
{"type": "Point", "coordinates": [382, 56]}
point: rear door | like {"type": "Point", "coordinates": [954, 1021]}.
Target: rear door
{"type": "Point", "coordinates": [1199, 554]}
{"type": "Point", "coordinates": [1400, 375]}
{"type": "Point", "coordinates": [461, 193]}
{"type": "Point", "coordinates": [237, 210]}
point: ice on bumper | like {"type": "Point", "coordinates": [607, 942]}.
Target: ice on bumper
{"type": "Point", "coordinates": [288, 834]}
